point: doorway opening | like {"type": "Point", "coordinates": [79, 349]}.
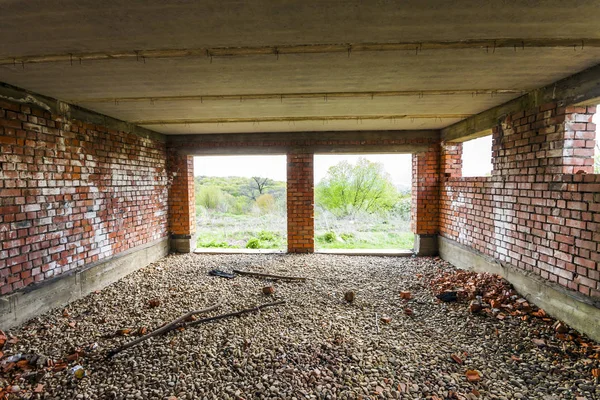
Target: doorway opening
{"type": "Point", "coordinates": [363, 201]}
{"type": "Point", "coordinates": [241, 202]}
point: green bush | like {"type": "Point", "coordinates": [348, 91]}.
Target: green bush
{"type": "Point", "coordinates": [347, 237]}
{"type": "Point", "coordinates": [253, 243]}
{"type": "Point", "coordinates": [267, 236]}
{"type": "Point", "coordinates": [210, 197]}
{"type": "Point", "coordinates": [328, 237]}
{"type": "Point", "coordinates": [213, 244]}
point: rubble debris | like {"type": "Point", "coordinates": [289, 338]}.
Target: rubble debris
{"type": "Point", "coordinates": [386, 320]}
{"type": "Point", "coordinates": [221, 274]}
{"type": "Point", "coordinates": [473, 375]}
{"type": "Point", "coordinates": [349, 296]}
{"type": "Point", "coordinates": [408, 311]}
{"type": "Point", "coordinates": [270, 276]}
{"type": "Point", "coordinates": [448, 296]}
{"type": "Point", "coordinates": [268, 290]}
{"type": "Point", "coordinates": [456, 359]}
{"type": "Point", "coordinates": [236, 313]}
{"type": "Point", "coordinates": [164, 329]}
{"type": "Point", "coordinates": [153, 303]}
{"type": "Point", "coordinates": [405, 295]}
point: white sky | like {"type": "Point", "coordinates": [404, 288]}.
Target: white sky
{"type": "Point", "coordinates": [477, 161]}
{"type": "Point", "coordinates": [274, 167]}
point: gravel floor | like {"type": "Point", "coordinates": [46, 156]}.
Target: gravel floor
{"type": "Point", "coordinates": [316, 346]}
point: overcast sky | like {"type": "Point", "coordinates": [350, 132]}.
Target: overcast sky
{"type": "Point", "coordinates": [477, 155]}
{"type": "Point", "coordinates": [399, 166]}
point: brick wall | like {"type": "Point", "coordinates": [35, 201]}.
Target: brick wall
{"type": "Point", "coordinates": [182, 202]}
{"type": "Point", "coordinates": [300, 149]}
{"type": "Point", "coordinates": [426, 191]}
{"type": "Point", "coordinates": [540, 209]}
{"type": "Point", "coordinates": [73, 194]}
{"type": "Point", "coordinates": [300, 203]}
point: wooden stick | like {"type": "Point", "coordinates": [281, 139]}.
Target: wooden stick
{"type": "Point", "coordinates": [233, 314]}
{"type": "Point", "coordinates": [163, 329]}
{"type": "Point", "coordinates": [269, 276]}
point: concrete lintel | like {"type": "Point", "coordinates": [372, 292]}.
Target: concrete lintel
{"type": "Point", "coordinates": [21, 306]}
{"type": "Point", "coordinates": [315, 142]}
{"type": "Point", "coordinates": [582, 87]}
{"type": "Point", "coordinates": [426, 245]}
{"type": "Point", "coordinates": [72, 112]}
{"type": "Point", "coordinates": [579, 311]}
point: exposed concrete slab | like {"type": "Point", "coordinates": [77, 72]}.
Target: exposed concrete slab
{"type": "Point", "coordinates": [238, 251]}
{"type": "Point", "coordinates": [367, 252]}
{"type": "Point", "coordinates": [183, 243]}
{"type": "Point", "coordinates": [426, 245]}
{"type": "Point", "coordinates": [579, 311]}
{"type": "Point", "coordinates": [21, 306]}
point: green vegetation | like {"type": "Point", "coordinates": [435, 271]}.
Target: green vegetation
{"type": "Point", "coordinates": [357, 207]}
{"type": "Point", "coordinates": [361, 188]}
{"type": "Point", "coordinates": [237, 212]}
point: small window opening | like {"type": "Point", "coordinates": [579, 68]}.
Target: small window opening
{"type": "Point", "coordinates": [477, 157]}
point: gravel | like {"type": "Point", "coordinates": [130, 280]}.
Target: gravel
{"type": "Point", "coordinates": [316, 346]}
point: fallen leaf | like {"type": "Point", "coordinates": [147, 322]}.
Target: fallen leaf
{"type": "Point", "coordinates": [349, 296]}
{"type": "Point", "coordinates": [405, 295]}
{"type": "Point", "coordinates": [596, 372]}
{"type": "Point", "coordinates": [65, 313]}
{"type": "Point", "coordinates": [408, 311]}
{"type": "Point", "coordinates": [154, 303]}
{"type": "Point", "coordinates": [386, 320]}
{"type": "Point", "coordinates": [124, 332]}
{"type": "Point", "coordinates": [269, 290]}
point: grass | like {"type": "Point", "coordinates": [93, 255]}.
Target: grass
{"type": "Point", "coordinates": [367, 240]}
{"type": "Point", "coordinates": [224, 230]}
{"type": "Point", "coordinates": [268, 231]}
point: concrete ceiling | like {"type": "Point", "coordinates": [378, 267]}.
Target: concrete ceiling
{"type": "Point", "coordinates": [211, 66]}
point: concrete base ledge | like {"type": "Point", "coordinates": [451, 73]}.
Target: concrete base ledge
{"type": "Point", "coordinates": [367, 252]}
{"type": "Point", "coordinates": [21, 306]}
{"type": "Point", "coordinates": [578, 311]}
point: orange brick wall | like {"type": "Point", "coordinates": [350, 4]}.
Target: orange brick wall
{"type": "Point", "coordinates": [300, 203]}
{"type": "Point", "coordinates": [426, 191]}
{"type": "Point", "coordinates": [540, 209]}
{"type": "Point", "coordinates": [182, 201]}
{"type": "Point", "coordinates": [72, 194]}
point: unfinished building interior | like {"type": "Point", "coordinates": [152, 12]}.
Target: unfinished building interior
{"type": "Point", "coordinates": [103, 106]}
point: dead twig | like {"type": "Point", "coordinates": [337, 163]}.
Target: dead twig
{"type": "Point", "coordinates": [233, 314]}
{"type": "Point", "coordinates": [163, 329]}
{"type": "Point", "coordinates": [269, 276]}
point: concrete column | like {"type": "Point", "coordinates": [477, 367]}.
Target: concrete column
{"type": "Point", "coordinates": [182, 202]}
{"type": "Point", "coordinates": [426, 200]}
{"type": "Point", "coordinates": [300, 203]}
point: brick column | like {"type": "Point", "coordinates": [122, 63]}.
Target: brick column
{"type": "Point", "coordinates": [300, 203]}
{"type": "Point", "coordinates": [182, 202]}
{"type": "Point", "coordinates": [426, 200]}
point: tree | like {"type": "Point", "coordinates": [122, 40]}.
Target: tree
{"type": "Point", "coordinates": [257, 186]}
{"type": "Point", "coordinates": [209, 197]}
{"type": "Point", "coordinates": [349, 189]}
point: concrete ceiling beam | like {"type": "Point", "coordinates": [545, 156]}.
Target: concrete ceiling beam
{"type": "Point", "coordinates": [298, 119]}
{"type": "Point", "coordinates": [580, 88]}
{"type": "Point", "coordinates": [487, 45]}
{"type": "Point", "coordinates": [282, 96]}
